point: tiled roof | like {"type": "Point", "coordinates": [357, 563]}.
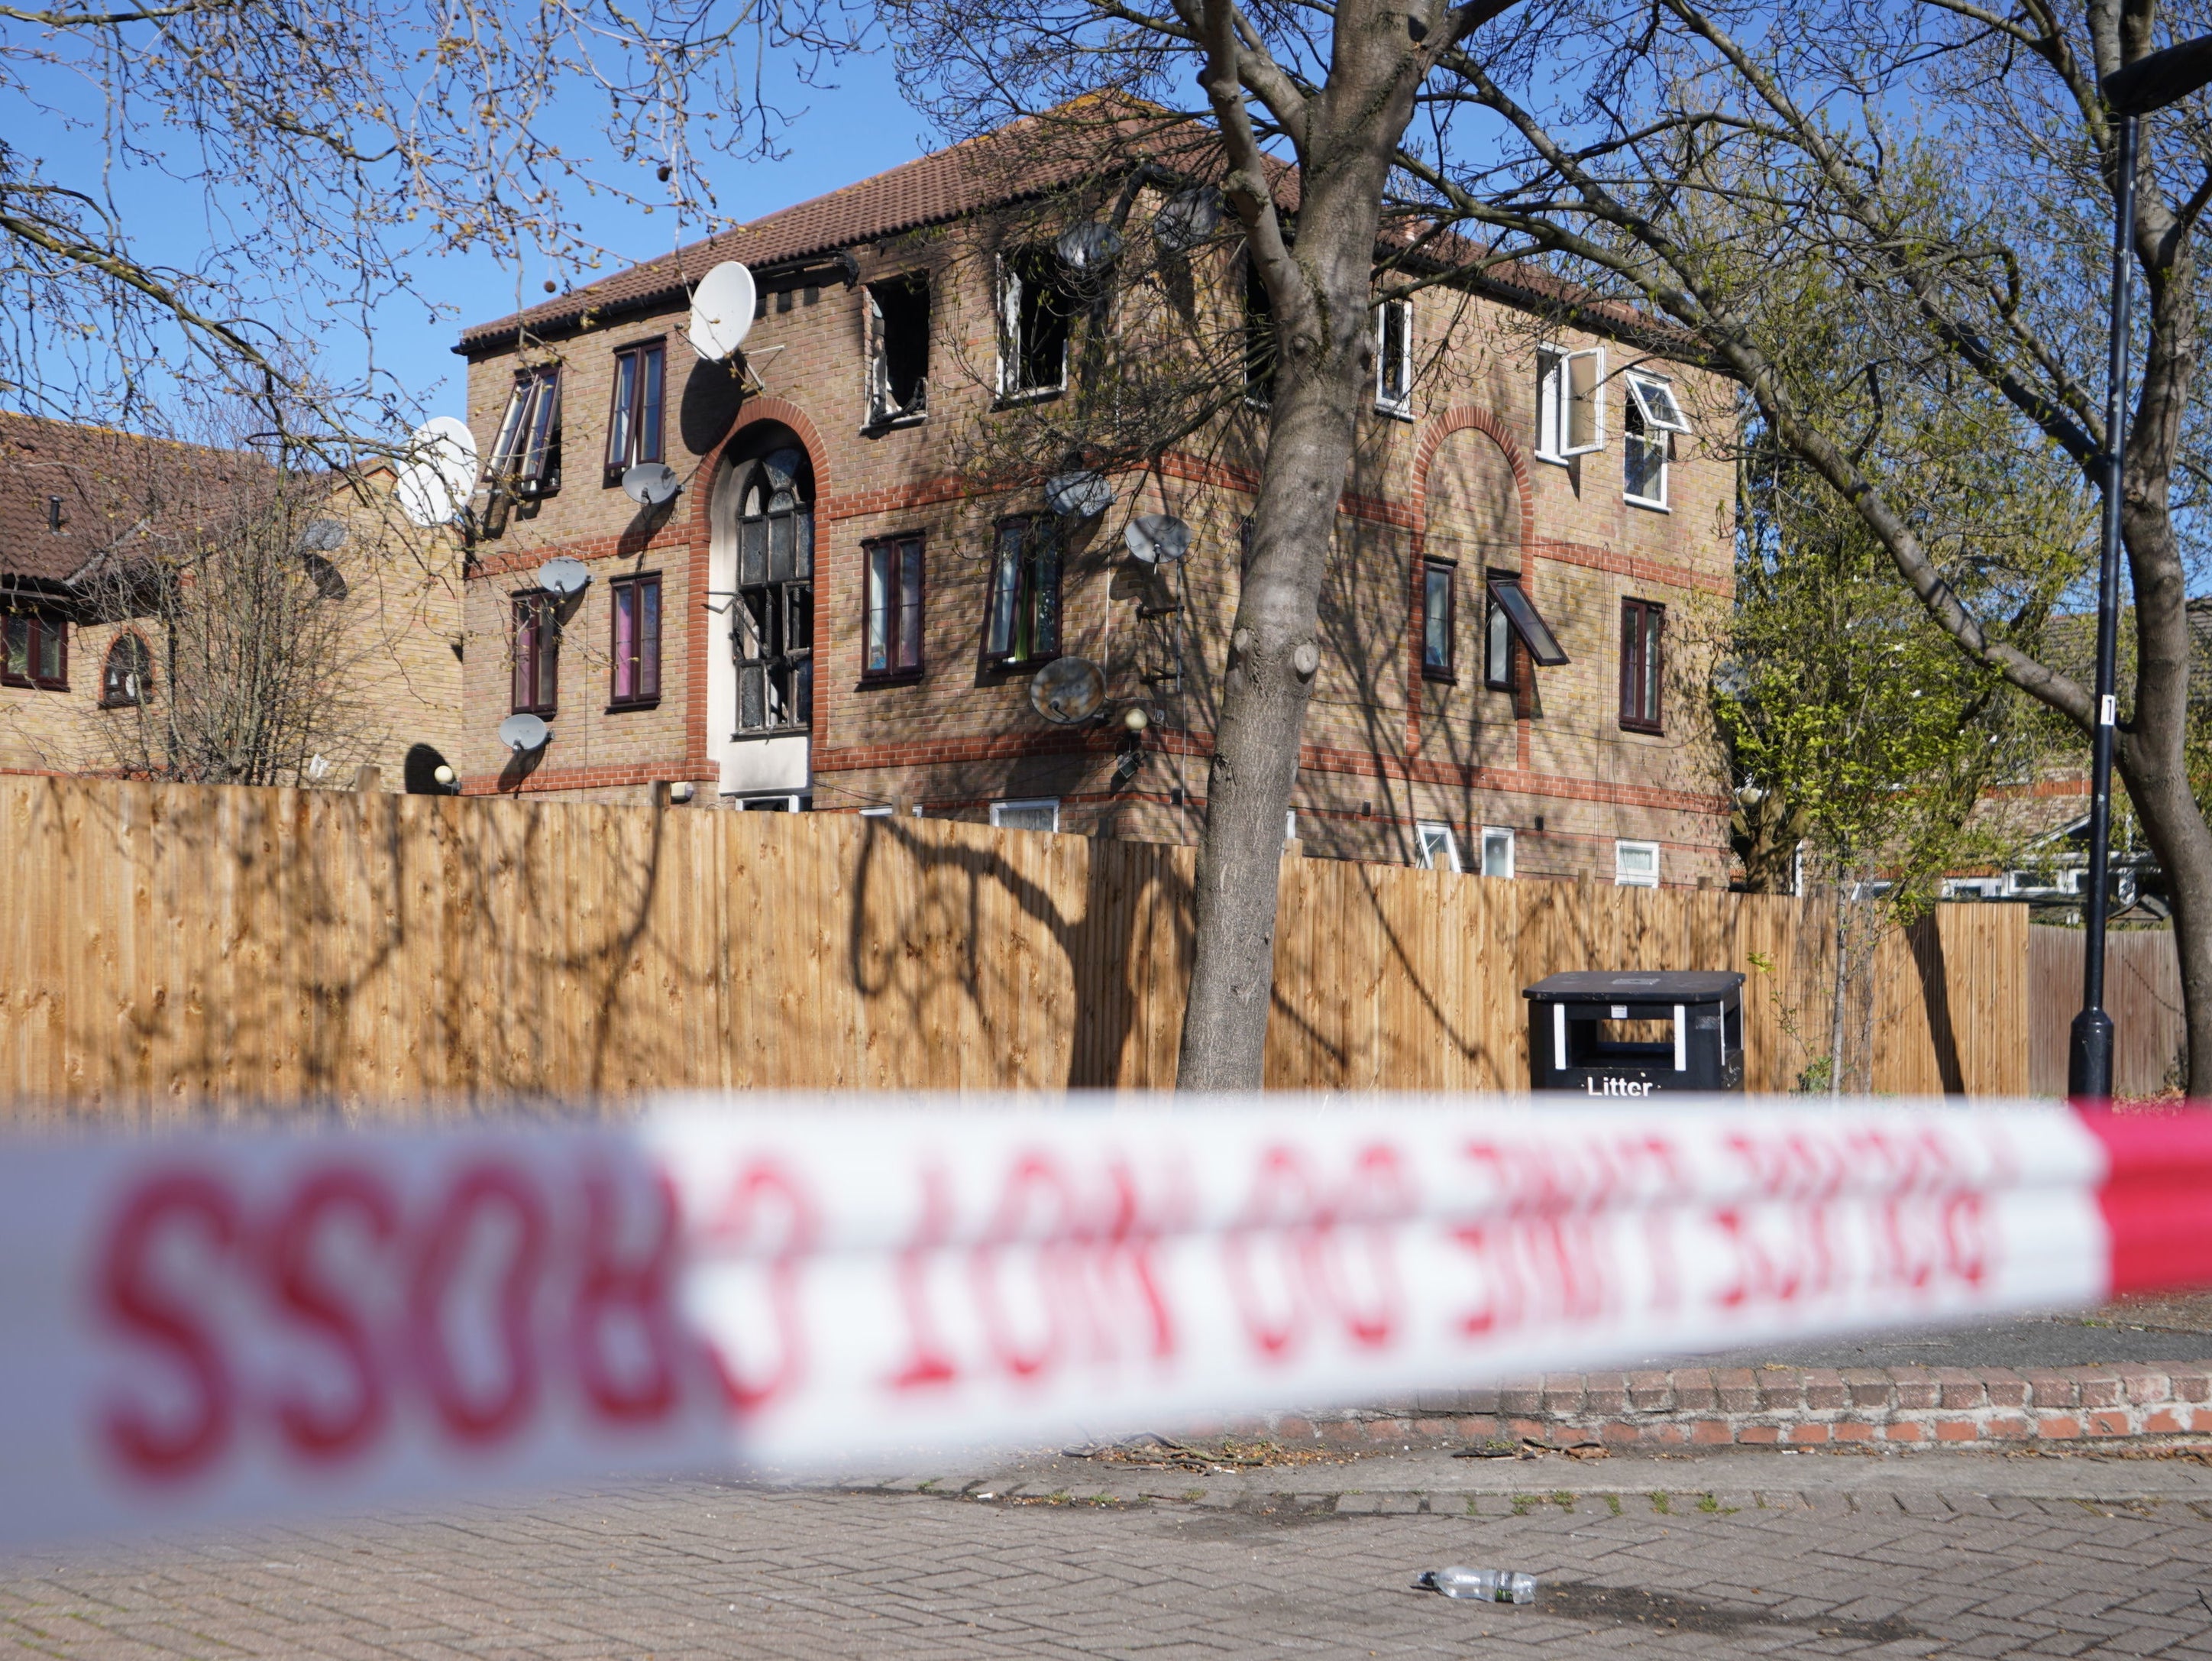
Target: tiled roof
{"type": "Point", "coordinates": [110, 484]}
{"type": "Point", "coordinates": [1026, 159]}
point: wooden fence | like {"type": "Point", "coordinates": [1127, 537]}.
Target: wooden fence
{"type": "Point", "coordinates": [403, 954]}
{"type": "Point", "coordinates": [2143, 995]}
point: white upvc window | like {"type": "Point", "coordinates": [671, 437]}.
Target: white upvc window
{"type": "Point", "coordinates": [1436, 847]}
{"type": "Point", "coordinates": [1635, 864]}
{"type": "Point", "coordinates": [1394, 357]}
{"type": "Point", "coordinates": [878, 812]}
{"type": "Point", "coordinates": [1650, 416]}
{"type": "Point", "coordinates": [1290, 824]}
{"type": "Point", "coordinates": [1497, 851]}
{"type": "Point", "coordinates": [1570, 402]}
{"type": "Point", "coordinates": [1037, 814]}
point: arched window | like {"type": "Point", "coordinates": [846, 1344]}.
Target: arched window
{"type": "Point", "coordinates": [772, 629]}
{"type": "Point", "coordinates": [128, 679]}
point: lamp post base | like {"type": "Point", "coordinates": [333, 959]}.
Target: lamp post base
{"type": "Point", "coordinates": [2089, 1057]}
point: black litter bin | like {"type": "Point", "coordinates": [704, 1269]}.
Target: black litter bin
{"type": "Point", "coordinates": [1631, 1034]}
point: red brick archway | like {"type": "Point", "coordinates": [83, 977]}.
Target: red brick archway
{"type": "Point", "coordinates": [699, 636]}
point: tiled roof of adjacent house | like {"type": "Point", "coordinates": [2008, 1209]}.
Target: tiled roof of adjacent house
{"type": "Point", "coordinates": [109, 484]}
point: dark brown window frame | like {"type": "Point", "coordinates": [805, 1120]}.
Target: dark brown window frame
{"type": "Point", "coordinates": [633, 583]}
{"type": "Point", "coordinates": [895, 673]}
{"type": "Point", "coordinates": [34, 622]}
{"type": "Point", "coordinates": [1643, 665]}
{"type": "Point", "coordinates": [108, 700]}
{"type": "Point", "coordinates": [643, 441]}
{"type": "Point", "coordinates": [1493, 615]}
{"type": "Point", "coordinates": [1446, 672]}
{"type": "Point", "coordinates": [1024, 595]}
{"type": "Point", "coordinates": [536, 620]}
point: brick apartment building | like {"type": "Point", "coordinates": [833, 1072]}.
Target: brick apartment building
{"type": "Point", "coordinates": [830, 615]}
{"type": "Point", "coordinates": [83, 508]}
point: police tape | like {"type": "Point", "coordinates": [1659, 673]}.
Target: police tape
{"type": "Point", "coordinates": [249, 1325]}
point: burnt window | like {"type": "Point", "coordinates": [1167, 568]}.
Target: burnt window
{"type": "Point", "coordinates": [537, 653]}
{"type": "Point", "coordinates": [1642, 663]}
{"type": "Point", "coordinates": [633, 422]}
{"type": "Point", "coordinates": [891, 624]}
{"type": "Point", "coordinates": [898, 349]}
{"type": "Point", "coordinates": [1259, 339]}
{"type": "Point", "coordinates": [1437, 632]}
{"type": "Point", "coordinates": [1037, 308]}
{"type": "Point", "coordinates": [126, 680]}
{"type": "Point", "coordinates": [1024, 624]}
{"type": "Point", "coordinates": [772, 636]}
{"type": "Point", "coordinates": [37, 652]}
{"type": "Point", "coordinates": [525, 456]}
{"type": "Point", "coordinates": [635, 602]}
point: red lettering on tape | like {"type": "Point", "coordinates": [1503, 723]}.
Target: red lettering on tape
{"type": "Point", "coordinates": [134, 1298]}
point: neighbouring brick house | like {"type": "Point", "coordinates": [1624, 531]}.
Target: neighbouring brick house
{"type": "Point", "coordinates": [1510, 476]}
{"type": "Point", "coordinates": [83, 508]}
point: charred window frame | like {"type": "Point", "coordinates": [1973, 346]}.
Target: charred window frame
{"type": "Point", "coordinates": [1643, 664]}
{"type": "Point", "coordinates": [36, 652]}
{"type": "Point", "coordinates": [1022, 627]}
{"type": "Point", "coordinates": [635, 419]}
{"type": "Point", "coordinates": [1394, 358]}
{"type": "Point", "coordinates": [126, 678]}
{"type": "Point", "coordinates": [891, 609]}
{"type": "Point", "coordinates": [1037, 306]}
{"type": "Point", "coordinates": [1260, 347]}
{"type": "Point", "coordinates": [537, 682]}
{"type": "Point", "coordinates": [898, 313]}
{"type": "Point", "coordinates": [633, 607]}
{"type": "Point", "coordinates": [772, 631]}
{"type": "Point", "coordinates": [1439, 598]}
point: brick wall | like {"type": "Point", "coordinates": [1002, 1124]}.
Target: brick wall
{"type": "Point", "coordinates": [1384, 748]}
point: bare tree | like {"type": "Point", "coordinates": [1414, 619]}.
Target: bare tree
{"type": "Point", "coordinates": [328, 146]}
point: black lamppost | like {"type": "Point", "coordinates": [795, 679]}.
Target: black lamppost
{"type": "Point", "coordinates": [2147, 84]}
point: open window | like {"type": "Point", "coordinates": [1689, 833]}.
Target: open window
{"type": "Point", "coordinates": [898, 349]}
{"type": "Point", "coordinates": [1436, 848]}
{"type": "Point", "coordinates": [1570, 403]}
{"type": "Point", "coordinates": [1037, 306]}
{"type": "Point", "coordinates": [1024, 624]}
{"type": "Point", "coordinates": [633, 422]}
{"type": "Point", "coordinates": [1650, 416]}
{"type": "Point", "coordinates": [1514, 614]}
{"type": "Point", "coordinates": [1259, 339]}
{"type": "Point", "coordinates": [1394, 357]}
{"type": "Point", "coordinates": [526, 457]}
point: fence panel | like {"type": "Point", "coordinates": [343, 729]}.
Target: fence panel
{"type": "Point", "coordinates": [179, 944]}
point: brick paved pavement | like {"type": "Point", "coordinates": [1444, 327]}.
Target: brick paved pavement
{"type": "Point", "coordinates": [1744, 1554]}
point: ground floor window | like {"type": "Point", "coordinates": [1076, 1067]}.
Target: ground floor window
{"type": "Point", "coordinates": [1497, 851]}
{"type": "Point", "coordinates": [1635, 864]}
{"type": "Point", "coordinates": [1038, 813]}
{"type": "Point", "coordinates": [783, 802]}
{"type": "Point", "coordinates": [1436, 847]}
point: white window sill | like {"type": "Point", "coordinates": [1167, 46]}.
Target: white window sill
{"type": "Point", "coordinates": [1646, 504]}
{"type": "Point", "coordinates": [1395, 412]}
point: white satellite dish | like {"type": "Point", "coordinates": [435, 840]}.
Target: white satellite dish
{"type": "Point", "coordinates": [1088, 247]}
{"type": "Point", "coordinates": [1158, 538]}
{"type": "Point", "coordinates": [1080, 494]}
{"type": "Point", "coordinates": [722, 311]}
{"type": "Point", "coordinates": [650, 484]}
{"type": "Point", "coordinates": [1068, 691]}
{"type": "Point", "coordinates": [523, 734]}
{"type": "Point", "coordinates": [1185, 220]}
{"type": "Point", "coordinates": [563, 576]}
{"type": "Point", "coordinates": [440, 472]}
